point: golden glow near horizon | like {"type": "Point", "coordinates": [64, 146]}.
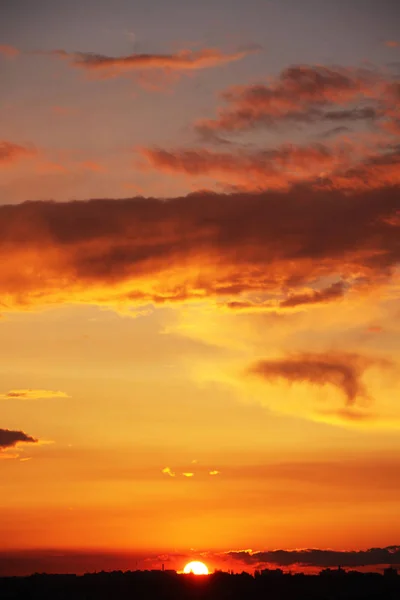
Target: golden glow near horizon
{"type": "Point", "coordinates": [196, 567]}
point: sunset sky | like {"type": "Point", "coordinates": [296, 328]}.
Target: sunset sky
{"type": "Point", "coordinates": [199, 283]}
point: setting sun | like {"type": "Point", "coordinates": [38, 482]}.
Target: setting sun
{"type": "Point", "coordinates": [196, 567]}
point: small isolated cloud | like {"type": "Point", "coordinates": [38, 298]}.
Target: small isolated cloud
{"type": "Point", "coordinates": [214, 473]}
{"type": "Point", "coordinates": [188, 474]}
{"type": "Point", "coordinates": [168, 471]}
{"type": "Point", "coordinates": [8, 51]}
{"type": "Point", "coordinates": [10, 438]}
{"type": "Point", "coordinates": [25, 459]}
{"type": "Point", "coordinates": [344, 371]}
{"type": "Point", "coordinates": [30, 394]}
{"type": "Point", "coordinates": [114, 66]}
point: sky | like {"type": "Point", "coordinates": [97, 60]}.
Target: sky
{"type": "Point", "coordinates": [199, 284]}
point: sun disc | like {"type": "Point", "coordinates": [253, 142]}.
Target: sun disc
{"type": "Point", "coordinates": [196, 567]}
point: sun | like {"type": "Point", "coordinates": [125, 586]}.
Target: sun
{"type": "Point", "coordinates": [196, 567]}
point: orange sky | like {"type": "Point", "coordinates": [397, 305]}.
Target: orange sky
{"type": "Point", "coordinates": [199, 287]}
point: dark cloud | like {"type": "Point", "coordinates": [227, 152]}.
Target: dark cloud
{"type": "Point", "coordinates": [202, 245]}
{"type": "Point", "coordinates": [300, 93]}
{"type": "Point", "coordinates": [341, 370]}
{"type": "Point", "coordinates": [321, 558]}
{"type": "Point", "coordinates": [9, 438]}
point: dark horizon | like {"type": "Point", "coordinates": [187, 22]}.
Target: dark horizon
{"type": "Point", "coordinates": [310, 561]}
{"type": "Point", "coordinates": [329, 584]}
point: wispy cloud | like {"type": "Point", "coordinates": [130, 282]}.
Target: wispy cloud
{"type": "Point", "coordinates": [31, 394]}
{"type": "Point", "coordinates": [114, 66]}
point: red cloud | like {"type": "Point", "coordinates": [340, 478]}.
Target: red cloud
{"type": "Point", "coordinates": [340, 165]}
{"type": "Point", "coordinates": [8, 51]}
{"type": "Point", "coordinates": [300, 93]}
{"type": "Point", "coordinates": [274, 169]}
{"type": "Point", "coordinates": [203, 245]}
{"type": "Point", "coordinates": [378, 171]}
{"type": "Point", "coordinates": [10, 152]}
{"type": "Point", "coordinates": [185, 60]}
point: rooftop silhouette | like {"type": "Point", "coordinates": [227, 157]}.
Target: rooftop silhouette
{"type": "Point", "coordinates": [330, 584]}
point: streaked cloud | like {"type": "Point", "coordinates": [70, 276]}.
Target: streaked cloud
{"type": "Point", "coordinates": [329, 294]}
{"type": "Point", "coordinates": [260, 169]}
{"type": "Point", "coordinates": [185, 60]}
{"type": "Point", "coordinates": [188, 474]}
{"type": "Point", "coordinates": [343, 164]}
{"type": "Point", "coordinates": [31, 394]}
{"type": "Point", "coordinates": [332, 293]}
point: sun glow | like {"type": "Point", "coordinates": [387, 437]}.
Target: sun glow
{"type": "Point", "coordinates": [196, 567]}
